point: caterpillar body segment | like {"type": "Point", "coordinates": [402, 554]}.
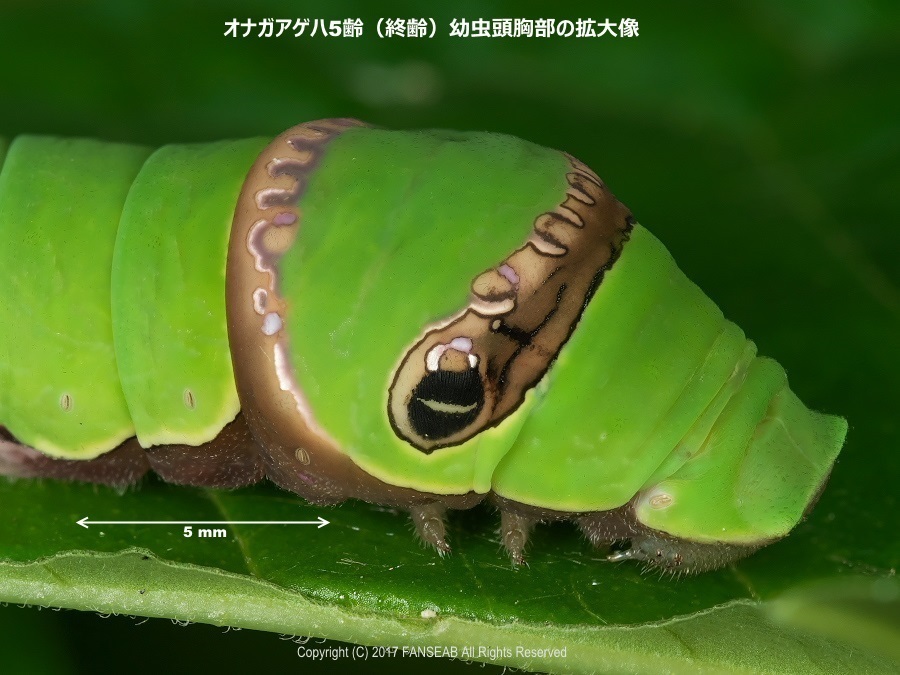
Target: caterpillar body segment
{"type": "Point", "coordinates": [420, 319]}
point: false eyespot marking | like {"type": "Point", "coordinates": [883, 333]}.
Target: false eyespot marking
{"type": "Point", "coordinates": [471, 370]}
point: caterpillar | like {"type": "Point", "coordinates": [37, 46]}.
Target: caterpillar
{"type": "Point", "coordinates": [418, 319]}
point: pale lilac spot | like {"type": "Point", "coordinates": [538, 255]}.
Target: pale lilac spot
{"type": "Point", "coordinates": [461, 344]}
{"type": "Point", "coordinates": [285, 218]}
{"type": "Point", "coordinates": [509, 274]}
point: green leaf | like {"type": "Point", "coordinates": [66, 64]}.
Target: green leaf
{"type": "Point", "coordinates": [136, 583]}
{"type": "Point", "coordinates": [760, 144]}
{"type": "Point", "coordinates": [860, 611]}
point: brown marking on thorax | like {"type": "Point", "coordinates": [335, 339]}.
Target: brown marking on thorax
{"type": "Point", "coordinates": [522, 311]}
{"type": "Point", "coordinates": [299, 455]}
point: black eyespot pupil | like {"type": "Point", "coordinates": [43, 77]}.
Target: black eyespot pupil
{"type": "Point", "coordinates": [445, 402]}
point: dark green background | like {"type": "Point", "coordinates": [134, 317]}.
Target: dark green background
{"type": "Point", "coordinates": [760, 143]}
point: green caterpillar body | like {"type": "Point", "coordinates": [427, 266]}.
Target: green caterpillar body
{"type": "Point", "coordinates": [421, 319]}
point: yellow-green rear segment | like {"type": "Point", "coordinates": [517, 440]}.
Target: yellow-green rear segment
{"type": "Point", "coordinates": [112, 292]}
{"type": "Point", "coordinates": [657, 394]}
{"type": "Point", "coordinates": [60, 202]}
{"type": "Point", "coordinates": [753, 476]}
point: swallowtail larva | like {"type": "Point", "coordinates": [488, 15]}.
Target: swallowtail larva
{"type": "Point", "coordinates": [420, 319]}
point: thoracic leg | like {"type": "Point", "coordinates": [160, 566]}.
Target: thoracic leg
{"type": "Point", "coordinates": [429, 522]}
{"type": "Point", "coordinates": [514, 531]}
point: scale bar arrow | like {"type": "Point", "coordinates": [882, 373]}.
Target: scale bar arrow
{"type": "Point", "coordinates": [320, 522]}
